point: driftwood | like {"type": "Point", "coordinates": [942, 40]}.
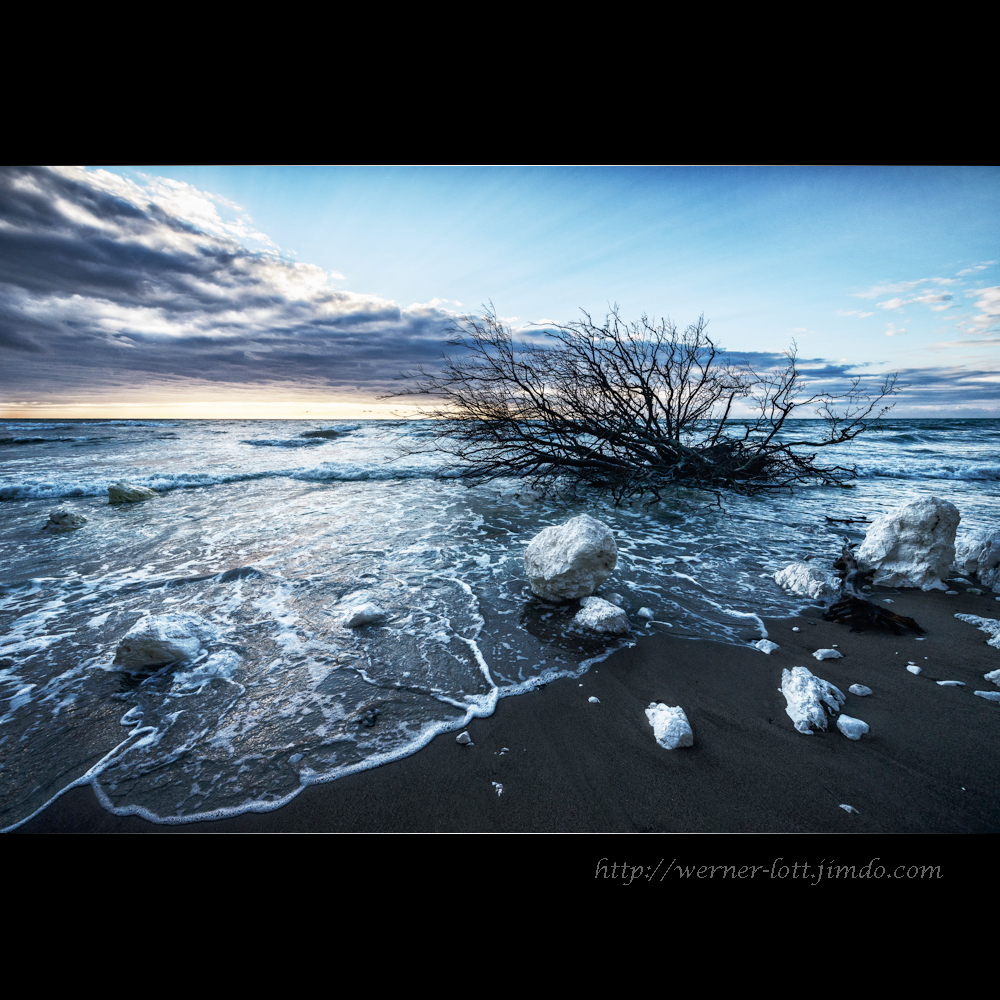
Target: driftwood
{"type": "Point", "coordinates": [855, 610]}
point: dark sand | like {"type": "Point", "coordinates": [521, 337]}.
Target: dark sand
{"type": "Point", "coordinates": [929, 764]}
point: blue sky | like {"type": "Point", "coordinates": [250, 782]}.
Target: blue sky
{"type": "Point", "coordinates": [210, 290]}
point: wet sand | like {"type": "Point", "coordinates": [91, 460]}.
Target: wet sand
{"type": "Point", "coordinates": [566, 765]}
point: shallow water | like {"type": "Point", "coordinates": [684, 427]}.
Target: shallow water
{"type": "Point", "coordinates": [260, 533]}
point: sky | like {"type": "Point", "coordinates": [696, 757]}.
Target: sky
{"type": "Point", "coordinates": [301, 292]}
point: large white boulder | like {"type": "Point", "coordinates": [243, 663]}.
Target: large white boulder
{"type": "Point", "coordinates": [808, 698]}
{"type": "Point", "coordinates": [671, 728]}
{"type": "Point", "coordinates": [572, 559]}
{"type": "Point", "coordinates": [122, 492]}
{"type": "Point", "coordinates": [809, 581]}
{"type": "Point", "coordinates": [601, 616]}
{"type": "Point", "coordinates": [157, 640]}
{"type": "Point", "coordinates": [979, 552]}
{"type": "Point", "coordinates": [64, 520]}
{"type": "Point", "coordinates": [913, 545]}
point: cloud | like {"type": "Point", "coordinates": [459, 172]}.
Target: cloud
{"type": "Point", "coordinates": [891, 331]}
{"type": "Point", "coordinates": [106, 281]}
{"type": "Point", "coordinates": [988, 304]}
{"type": "Point", "coordinates": [977, 267]}
{"type": "Point", "coordinates": [854, 312]}
{"type": "Point", "coordinates": [891, 288]}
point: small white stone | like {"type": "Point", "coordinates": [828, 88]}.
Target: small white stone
{"type": "Point", "coordinates": [465, 739]}
{"type": "Point", "coordinates": [368, 613]}
{"type": "Point", "coordinates": [795, 628]}
{"type": "Point", "coordinates": [593, 700]}
{"type": "Point", "coordinates": [809, 698]}
{"type": "Point", "coordinates": [988, 695]}
{"type": "Point", "coordinates": [645, 613]}
{"type": "Point", "coordinates": [808, 580]}
{"type": "Point", "coordinates": [994, 676]}
{"type": "Point", "coordinates": [847, 808]}
{"type": "Point", "coordinates": [951, 684]}
{"type": "Point", "coordinates": [766, 646]}
{"type": "Point", "coordinates": [861, 690]}
{"type": "Point", "coordinates": [157, 640]}
{"type": "Point", "coordinates": [827, 654]}
{"type": "Point", "coordinates": [951, 593]}
{"type": "Point", "coordinates": [853, 729]}
{"type": "Point", "coordinates": [499, 788]}
{"type": "Point", "coordinates": [601, 616]}
{"type": "Point", "coordinates": [913, 668]}
{"type": "Point", "coordinates": [671, 728]}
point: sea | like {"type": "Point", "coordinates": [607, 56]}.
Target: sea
{"type": "Point", "coordinates": [264, 532]}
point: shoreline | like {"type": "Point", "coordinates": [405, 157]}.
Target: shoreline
{"type": "Point", "coordinates": [570, 766]}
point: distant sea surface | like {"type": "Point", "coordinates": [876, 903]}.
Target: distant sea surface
{"type": "Point", "coordinates": [262, 529]}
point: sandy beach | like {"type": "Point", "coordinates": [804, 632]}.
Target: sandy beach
{"type": "Point", "coordinates": [569, 765]}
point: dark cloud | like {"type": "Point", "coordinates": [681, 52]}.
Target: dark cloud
{"type": "Point", "coordinates": [99, 284]}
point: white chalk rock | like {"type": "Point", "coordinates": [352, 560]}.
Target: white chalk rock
{"type": "Point", "coordinates": [157, 640]}
{"type": "Point", "coordinates": [64, 520]}
{"type": "Point", "coordinates": [464, 739]}
{"type": "Point", "coordinates": [913, 545]}
{"type": "Point", "coordinates": [809, 581]}
{"type": "Point", "coordinates": [827, 654]}
{"type": "Point", "coordinates": [979, 552]}
{"type": "Point", "coordinates": [766, 646]}
{"type": "Point", "coordinates": [991, 626]}
{"type": "Point", "coordinates": [994, 676]}
{"type": "Point", "coordinates": [359, 610]}
{"type": "Point", "coordinates": [951, 684]}
{"type": "Point", "coordinates": [670, 726]}
{"type": "Point", "coordinates": [861, 690]}
{"type": "Point", "coordinates": [806, 695]}
{"type": "Point", "coordinates": [593, 700]}
{"type": "Point", "coordinates": [122, 492]}
{"type": "Point", "coordinates": [853, 729]}
{"type": "Point", "coordinates": [601, 616]}
{"type": "Point", "coordinates": [571, 560]}
{"type": "Point", "coordinates": [988, 695]}
{"type": "Point", "coordinates": [914, 669]}
{"type": "Point", "coordinates": [368, 613]}
{"type": "Point", "coordinates": [646, 613]}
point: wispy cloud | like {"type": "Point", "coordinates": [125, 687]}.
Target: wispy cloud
{"type": "Point", "coordinates": [987, 318]}
{"type": "Point", "coordinates": [891, 331]}
{"type": "Point", "coordinates": [977, 267]}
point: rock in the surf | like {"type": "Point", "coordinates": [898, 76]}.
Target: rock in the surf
{"type": "Point", "coordinates": [808, 580]}
{"type": "Point", "coordinates": [979, 553]}
{"type": "Point", "coordinates": [913, 545]}
{"type": "Point", "coordinates": [360, 610]}
{"type": "Point", "coordinates": [671, 728]}
{"type": "Point", "coordinates": [157, 640]}
{"type": "Point", "coordinates": [601, 616]}
{"type": "Point", "coordinates": [64, 520]}
{"type": "Point", "coordinates": [572, 559]}
{"type": "Point", "coordinates": [808, 699]}
{"type": "Point", "coordinates": [122, 492]}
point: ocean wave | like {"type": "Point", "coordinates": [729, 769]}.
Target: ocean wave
{"type": "Point", "coordinates": [970, 472]}
{"type": "Point", "coordinates": [165, 482]}
{"type": "Point", "coordinates": [272, 443]}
